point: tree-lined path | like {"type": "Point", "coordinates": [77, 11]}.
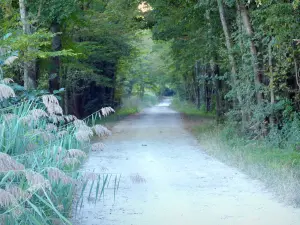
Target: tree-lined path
{"type": "Point", "coordinates": [66, 65]}
{"type": "Point", "coordinates": [168, 179]}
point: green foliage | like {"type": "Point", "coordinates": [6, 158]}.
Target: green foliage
{"type": "Point", "coordinates": [190, 110]}
{"type": "Point", "coordinates": [76, 41]}
{"type": "Point", "coordinates": [54, 10]}
{"type": "Point", "coordinates": [196, 35]}
{"type": "Point", "coordinates": [36, 42]}
{"type": "Point", "coordinates": [101, 52]}
{"type": "Point", "coordinates": [146, 68]}
{"type": "Point", "coordinates": [102, 38]}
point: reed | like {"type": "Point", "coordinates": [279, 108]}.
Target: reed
{"type": "Point", "coordinates": [41, 150]}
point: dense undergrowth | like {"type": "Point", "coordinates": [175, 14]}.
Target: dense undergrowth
{"type": "Point", "coordinates": [276, 163]}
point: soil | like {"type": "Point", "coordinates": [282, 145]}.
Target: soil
{"type": "Point", "coordinates": [167, 179]}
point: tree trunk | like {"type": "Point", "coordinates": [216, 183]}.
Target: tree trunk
{"type": "Point", "coordinates": [218, 86]}
{"type": "Point", "coordinates": [30, 71]}
{"type": "Point", "coordinates": [271, 80]}
{"type": "Point", "coordinates": [113, 91]}
{"type": "Point", "coordinates": [198, 91]}
{"type": "Point", "coordinates": [65, 97]}
{"type": "Point", "coordinates": [227, 37]}
{"type": "Point", "coordinates": [231, 59]}
{"type": "Point", "coordinates": [194, 85]}
{"type": "Point", "coordinates": [229, 47]}
{"type": "Point", "coordinates": [271, 74]}
{"type": "Point", "coordinates": [54, 83]}
{"type": "Point", "coordinates": [249, 30]}
{"type": "Point", "coordinates": [142, 91]}
{"type": "Point", "coordinates": [23, 14]}
{"type": "Point", "coordinates": [186, 90]}
{"type": "Point", "coordinates": [297, 72]}
{"type": "Point", "coordinates": [66, 101]}
{"type": "Point", "coordinates": [207, 95]}
{"type": "Point", "coordinates": [205, 89]}
{"type": "Point", "coordinates": [76, 103]}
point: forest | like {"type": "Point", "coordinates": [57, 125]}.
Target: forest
{"type": "Point", "coordinates": [66, 65]}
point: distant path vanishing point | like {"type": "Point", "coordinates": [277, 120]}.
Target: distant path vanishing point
{"type": "Point", "coordinates": [168, 180]}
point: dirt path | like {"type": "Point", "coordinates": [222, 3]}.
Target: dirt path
{"type": "Point", "coordinates": [168, 180]}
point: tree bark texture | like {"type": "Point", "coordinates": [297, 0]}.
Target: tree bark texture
{"type": "Point", "coordinates": [229, 47]}
{"type": "Point", "coordinates": [30, 67]}
{"type": "Point", "coordinates": [54, 79]}
{"type": "Point", "coordinates": [249, 30]}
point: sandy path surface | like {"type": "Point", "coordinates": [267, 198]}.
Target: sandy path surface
{"type": "Point", "coordinates": [168, 180]}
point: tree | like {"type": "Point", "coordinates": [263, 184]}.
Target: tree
{"type": "Point", "coordinates": [258, 68]}
{"type": "Point", "coordinates": [29, 65]}
{"type": "Point", "coordinates": [249, 30]}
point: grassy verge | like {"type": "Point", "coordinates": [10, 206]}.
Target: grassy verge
{"type": "Point", "coordinates": [189, 109]}
{"type": "Point", "coordinates": [279, 169]}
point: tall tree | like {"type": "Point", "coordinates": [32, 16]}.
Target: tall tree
{"type": "Point", "coordinates": [249, 30]}
{"type": "Point", "coordinates": [54, 78]}
{"type": "Point", "coordinates": [29, 66]}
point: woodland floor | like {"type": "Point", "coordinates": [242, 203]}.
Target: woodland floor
{"type": "Point", "coordinates": [168, 180]}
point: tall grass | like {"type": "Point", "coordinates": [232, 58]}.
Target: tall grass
{"type": "Point", "coordinates": [40, 152]}
{"type": "Point", "coordinates": [274, 159]}
{"type": "Point", "coordinates": [278, 168]}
